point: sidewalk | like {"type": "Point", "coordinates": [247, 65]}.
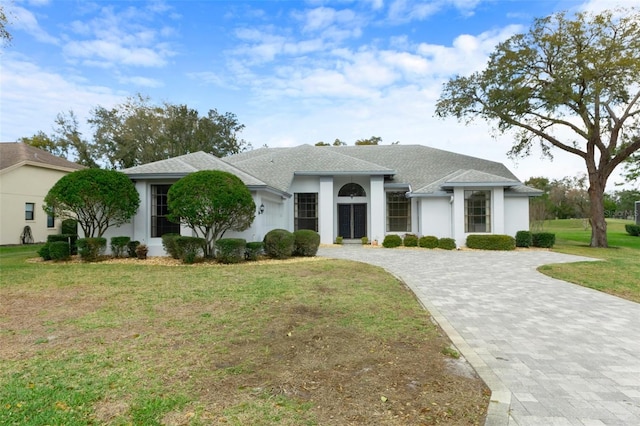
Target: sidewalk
{"type": "Point", "coordinates": [553, 353]}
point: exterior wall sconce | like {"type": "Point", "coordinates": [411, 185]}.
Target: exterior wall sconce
{"type": "Point", "coordinates": [261, 209]}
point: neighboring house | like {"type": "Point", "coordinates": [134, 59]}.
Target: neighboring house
{"type": "Point", "coordinates": [26, 175]}
{"type": "Point", "coordinates": [348, 191]}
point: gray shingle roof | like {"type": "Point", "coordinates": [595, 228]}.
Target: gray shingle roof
{"type": "Point", "coordinates": [277, 166]}
{"type": "Point", "coordinates": [422, 167]}
{"type": "Point", "coordinates": [183, 165]}
{"type": "Point", "coordinates": [428, 171]}
{"type": "Point", "coordinates": [14, 153]}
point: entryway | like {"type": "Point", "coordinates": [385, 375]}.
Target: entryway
{"type": "Point", "coordinates": [352, 220]}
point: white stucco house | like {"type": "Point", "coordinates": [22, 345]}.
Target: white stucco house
{"type": "Point", "coordinates": [26, 176]}
{"type": "Point", "coordinates": [348, 191]}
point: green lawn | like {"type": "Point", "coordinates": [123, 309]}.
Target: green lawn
{"type": "Point", "coordinates": [619, 271]}
{"type": "Point", "coordinates": [276, 343]}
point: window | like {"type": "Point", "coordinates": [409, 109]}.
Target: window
{"type": "Point", "coordinates": [160, 225]}
{"type": "Point", "coordinates": [352, 190]}
{"type": "Point", "coordinates": [477, 211]}
{"type": "Point", "coordinates": [306, 211]}
{"type": "Point", "coordinates": [29, 211]}
{"type": "Point", "coordinates": [51, 221]}
{"type": "Point", "coordinates": [398, 212]}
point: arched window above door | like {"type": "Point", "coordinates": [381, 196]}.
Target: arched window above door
{"type": "Point", "coordinates": [352, 190]}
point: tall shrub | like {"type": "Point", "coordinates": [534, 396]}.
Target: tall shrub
{"type": "Point", "coordinates": [170, 246]}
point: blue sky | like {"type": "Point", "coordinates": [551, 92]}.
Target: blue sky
{"type": "Point", "coordinates": [293, 72]}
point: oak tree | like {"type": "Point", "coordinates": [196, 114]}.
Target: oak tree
{"type": "Point", "coordinates": [570, 84]}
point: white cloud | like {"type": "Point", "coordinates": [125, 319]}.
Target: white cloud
{"type": "Point", "coordinates": [26, 21]}
{"type": "Point", "coordinates": [32, 96]}
{"type": "Point", "coordinates": [115, 38]}
{"type": "Point", "coordinates": [141, 81]}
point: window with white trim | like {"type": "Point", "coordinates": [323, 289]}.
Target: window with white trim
{"type": "Point", "coordinates": [306, 211]}
{"type": "Point", "coordinates": [477, 211]}
{"type": "Point", "coordinates": [160, 224]}
{"type": "Point", "coordinates": [398, 212]}
{"type": "Point", "coordinates": [29, 211]}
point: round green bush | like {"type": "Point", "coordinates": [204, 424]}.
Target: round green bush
{"type": "Point", "coordinates": [59, 250]}
{"type": "Point", "coordinates": [170, 246]}
{"type": "Point", "coordinates": [447, 243]}
{"type": "Point", "coordinates": [410, 240]}
{"type": "Point", "coordinates": [189, 247]}
{"type": "Point", "coordinates": [231, 250]}
{"type": "Point", "coordinates": [44, 252]}
{"type": "Point", "coordinates": [633, 230]}
{"type": "Point", "coordinates": [306, 243]}
{"type": "Point", "coordinates": [543, 239]}
{"type": "Point", "coordinates": [131, 248]}
{"type": "Point", "coordinates": [523, 239]}
{"type": "Point", "coordinates": [90, 249]}
{"type": "Point", "coordinates": [279, 243]}
{"type": "Point", "coordinates": [253, 250]}
{"type": "Point", "coordinates": [392, 241]}
{"type": "Point", "coordinates": [119, 246]}
{"type": "Point", "coordinates": [67, 238]}
{"type": "Point", "coordinates": [428, 241]}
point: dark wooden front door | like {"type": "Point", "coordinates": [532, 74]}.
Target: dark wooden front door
{"type": "Point", "coordinates": [352, 220]}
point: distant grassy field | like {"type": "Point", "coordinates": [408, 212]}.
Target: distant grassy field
{"type": "Point", "coordinates": [619, 271]}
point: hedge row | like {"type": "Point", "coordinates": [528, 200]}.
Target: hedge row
{"type": "Point", "coordinates": [411, 240]}
{"type": "Point", "coordinates": [491, 242]}
{"type": "Point", "coordinates": [282, 244]}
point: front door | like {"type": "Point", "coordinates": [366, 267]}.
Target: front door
{"type": "Point", "coordinates": [352, 220]}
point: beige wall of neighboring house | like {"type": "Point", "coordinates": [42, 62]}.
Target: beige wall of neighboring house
{"type": "Point", "coordinates": [26, 175]}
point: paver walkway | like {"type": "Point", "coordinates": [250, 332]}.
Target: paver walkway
{"type": "Point", "coordinates": [553, 353]}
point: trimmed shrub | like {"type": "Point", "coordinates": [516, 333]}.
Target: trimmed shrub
{"type": "Point", "coordinates": [71, 239]}
{"type": "Point", "coordinates": [131, 248]}
{"type": "Point", "coordinates": [391, 241]}
{"type": "Point", "coordinates": [339, 240]}
{"type": "Point", "coordinates": [543, 239]}
{"type": "Point", "coordinates": [119, 246]}
{"type": "Point", "coordinates": [253, 250]}
{"type": "Point", "coordinates": [306, 243]}
{"type": "Point", "coordinates": [69, 226]}
{"type": "Point", "coordinates": [365, 241]}
{"type": "Point", "coordinates": [189, 247]}
{"type": "Point", "coordinates": [44, 252]}
{"type": "Point", "coordinates": [141, 251]}
{"type": "Point", "coordinates": [447, 244]}
{"type": "Point", "coordinates": [633, 230]}
{"type": "Point", "coordinates": [170, 246]}
{"type": "Point", "coordinates": [231, 250]}
{"type": "Point", "coordinates": [491, 242]}
{"type": "Point", "coordinates": [428, 241]}
{"type": "Point", "coordinates": [410, 240]}
{"type": "Point", "coordinates": [59, 250]}
{"type": "Point", "coordinates": [279, 243]}
{"type": "Point", "coordinates": [523, 239]}
{"type": "Point", "coordinates": [90, 249]}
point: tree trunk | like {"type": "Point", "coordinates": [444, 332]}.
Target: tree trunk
{"type": "Point", "coordinates": [598, 223]}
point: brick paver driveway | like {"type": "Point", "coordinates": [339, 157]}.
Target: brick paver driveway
{"type": "Point", "coordinates": [552, 352]}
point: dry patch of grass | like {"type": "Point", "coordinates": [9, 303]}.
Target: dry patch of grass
{"type": "Point", "coordinates": [311, 342]}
